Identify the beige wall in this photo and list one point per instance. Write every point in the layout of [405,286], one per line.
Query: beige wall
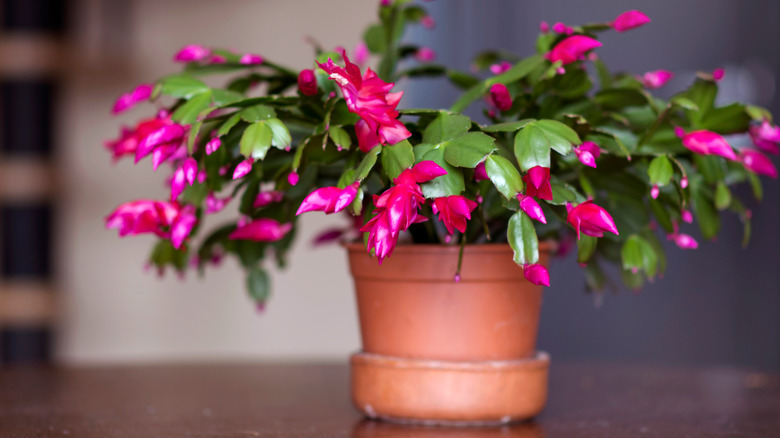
[114,311]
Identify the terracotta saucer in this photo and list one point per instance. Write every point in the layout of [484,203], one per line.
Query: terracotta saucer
[449,392]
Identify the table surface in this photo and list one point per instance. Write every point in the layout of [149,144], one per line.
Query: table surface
[295,400]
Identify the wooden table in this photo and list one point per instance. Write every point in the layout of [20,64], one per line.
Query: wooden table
[246,400]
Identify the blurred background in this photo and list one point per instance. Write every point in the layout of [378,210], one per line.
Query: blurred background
[72,292]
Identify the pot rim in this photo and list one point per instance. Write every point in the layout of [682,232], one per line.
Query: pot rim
[405,248]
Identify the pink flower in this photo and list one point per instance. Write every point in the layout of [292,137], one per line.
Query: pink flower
[708,143]
[425,54]
[559,28]
[214,204]
[261,230]
[397,208]
[293,178]
[243,168]
[718,74]
[531,208]
[251,59]
[182,226]
[629,20]
[480,173]
[656,79]
[213,145]
[537,274]
[192,52]
[758,163]
[428,22]
[162,138]
[765,136]
[307,83]
[267,198]
[129,100]
[500,67]
[587,153]
[572,49]
[369,97]
[499,97]
[165,219]
[544,27]
[329,199]
[590,219]
[454,211]
[537,183]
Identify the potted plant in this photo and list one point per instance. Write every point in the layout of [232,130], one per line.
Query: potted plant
[454,216]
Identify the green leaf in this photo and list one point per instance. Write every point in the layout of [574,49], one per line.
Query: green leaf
[375,39]
[507,126]
[521,235]
[281,135]
[446,185]
[258,285]
[684,103]
[722,196]
[461,80]
[534,141]
[165,254]
[397,158]
[755,185]
[504,175]
[256,140]
[365,166]
[617,98]
[657,248]
[223,97]
[662,215]
[563,193]
[731,119]
[229,124]
[182,86]
[446,127]
[192,136]
[702,93]
[706,215]
[633,253]
[257,113]
[605,78]
[469,149]
[188,112]
[340,137]
[660,170]
[586,246]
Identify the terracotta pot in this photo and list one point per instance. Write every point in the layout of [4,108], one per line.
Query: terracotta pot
[436,350]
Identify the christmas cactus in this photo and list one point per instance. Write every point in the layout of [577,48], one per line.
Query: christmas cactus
[557,148]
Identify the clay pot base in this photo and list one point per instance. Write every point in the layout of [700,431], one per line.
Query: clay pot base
[449,392]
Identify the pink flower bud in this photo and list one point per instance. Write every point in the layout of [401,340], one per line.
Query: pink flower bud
[708,143]
[292,178]
[500,98]
[718,74]
[251,59]
[572,49]
[758,163]
[217,59]
[428,22]
[687,217]
[267,198]
[457,278]
[656,79]
[307,82]
[654,191]
[501,67]
[537,274]
[765,136]
[587,153]
[590,219]
[537,183]
[213,145]
[425,54]
[544,27]
[480,173]
[329,199]
[243,168]
[559,27]
[129,100]
[424,171]
[192,52]
[214,204]
[685,241]
[532,208]
[684,182]
[630,20]
[361,53]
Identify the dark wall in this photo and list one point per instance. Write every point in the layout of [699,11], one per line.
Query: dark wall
[719,304]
